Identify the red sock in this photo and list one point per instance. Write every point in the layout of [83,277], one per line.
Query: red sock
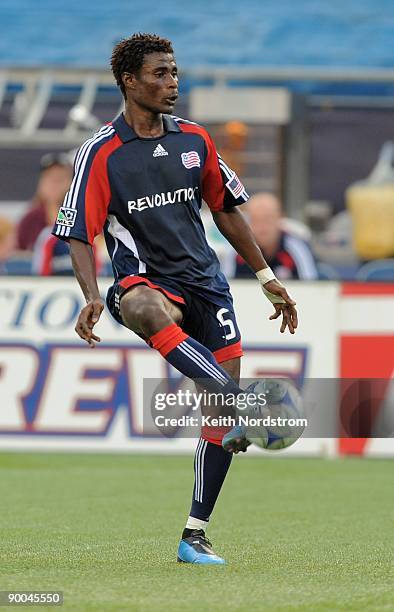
[167,339]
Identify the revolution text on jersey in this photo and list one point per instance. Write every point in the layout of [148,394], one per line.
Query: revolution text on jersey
[146,194]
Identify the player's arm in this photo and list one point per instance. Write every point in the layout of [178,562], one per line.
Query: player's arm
[82,258]
[82,218]
[223,192]
[234,227]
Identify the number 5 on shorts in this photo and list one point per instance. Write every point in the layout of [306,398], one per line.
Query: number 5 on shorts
[226,323]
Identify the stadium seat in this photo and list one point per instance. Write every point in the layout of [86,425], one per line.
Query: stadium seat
[379,270]
[17,266]
[327,272]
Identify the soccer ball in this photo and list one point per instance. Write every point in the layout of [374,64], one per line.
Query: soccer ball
[273,421]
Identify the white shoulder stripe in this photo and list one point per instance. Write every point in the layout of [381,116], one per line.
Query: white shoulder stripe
[86,147]
[101,131]
[74,190]
[229,173]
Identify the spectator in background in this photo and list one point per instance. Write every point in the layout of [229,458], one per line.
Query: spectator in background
[289,255]
[51,256]
[7,241]
[54,181]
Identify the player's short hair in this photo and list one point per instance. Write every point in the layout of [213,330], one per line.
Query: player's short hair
[128,55]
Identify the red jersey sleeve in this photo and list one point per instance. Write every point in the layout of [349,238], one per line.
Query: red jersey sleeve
[221,187]
[84,210]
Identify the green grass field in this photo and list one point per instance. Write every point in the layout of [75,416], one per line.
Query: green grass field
[298,534]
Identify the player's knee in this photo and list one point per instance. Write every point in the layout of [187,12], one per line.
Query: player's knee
[152,318]
[144,315]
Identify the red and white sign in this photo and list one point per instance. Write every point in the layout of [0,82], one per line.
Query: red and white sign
[367,352]
[58,394]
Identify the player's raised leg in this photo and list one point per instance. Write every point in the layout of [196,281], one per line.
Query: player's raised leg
[151,314]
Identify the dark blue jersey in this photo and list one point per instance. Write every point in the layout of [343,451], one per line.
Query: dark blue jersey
[146,194]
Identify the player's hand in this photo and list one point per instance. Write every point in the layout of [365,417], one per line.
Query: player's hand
[87,319]
[284,305]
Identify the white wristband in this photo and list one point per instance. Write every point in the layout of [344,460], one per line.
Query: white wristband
[265,275]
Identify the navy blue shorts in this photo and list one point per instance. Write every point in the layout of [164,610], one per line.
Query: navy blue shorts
[213,324]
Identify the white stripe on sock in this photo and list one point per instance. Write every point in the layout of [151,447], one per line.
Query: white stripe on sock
[202,363]
[201,366]
[208,363]
[197,466]
[202,470]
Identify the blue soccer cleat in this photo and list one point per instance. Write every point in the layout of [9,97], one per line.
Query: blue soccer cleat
[235,440]
[198,549]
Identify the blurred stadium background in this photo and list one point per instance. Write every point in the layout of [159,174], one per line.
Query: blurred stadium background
[300,102]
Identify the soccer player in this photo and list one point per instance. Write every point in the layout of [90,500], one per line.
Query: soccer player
[142,179]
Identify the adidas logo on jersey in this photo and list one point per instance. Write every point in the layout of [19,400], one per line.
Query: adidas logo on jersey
[159,151]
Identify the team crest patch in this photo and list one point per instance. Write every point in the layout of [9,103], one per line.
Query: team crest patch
[66,216]
[191,160]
